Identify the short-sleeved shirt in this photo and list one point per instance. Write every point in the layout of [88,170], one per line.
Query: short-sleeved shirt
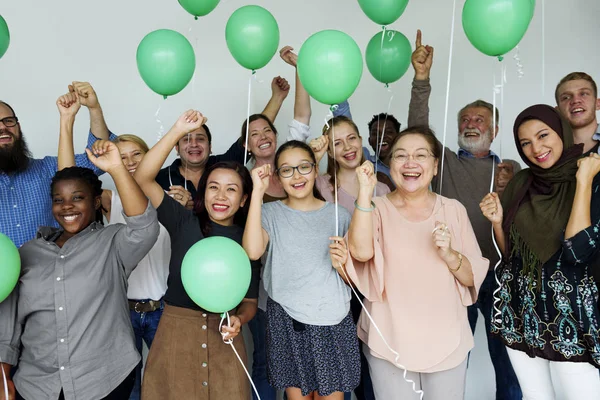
[184,229]
[298,272]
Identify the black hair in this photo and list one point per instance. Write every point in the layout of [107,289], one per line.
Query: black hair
[384,117]
[241,215]
[296,144]
[426,133]
[251,119]
[85,175]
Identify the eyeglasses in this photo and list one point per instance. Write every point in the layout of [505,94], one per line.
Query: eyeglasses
[419,157]
[288,172]
[9,122]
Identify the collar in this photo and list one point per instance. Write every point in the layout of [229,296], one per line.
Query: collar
[464,153]
[597,134]
[50,234]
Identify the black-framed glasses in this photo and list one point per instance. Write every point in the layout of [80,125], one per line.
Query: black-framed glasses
[9,122]
[303,169]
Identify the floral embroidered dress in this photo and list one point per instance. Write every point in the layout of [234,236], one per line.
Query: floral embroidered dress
[556,319]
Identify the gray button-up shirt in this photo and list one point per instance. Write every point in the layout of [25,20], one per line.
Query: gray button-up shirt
[72,317]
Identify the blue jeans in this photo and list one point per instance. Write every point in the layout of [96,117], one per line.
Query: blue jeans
[144,328]
[507,385]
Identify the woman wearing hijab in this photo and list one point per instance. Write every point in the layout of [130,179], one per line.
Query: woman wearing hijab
[547,227]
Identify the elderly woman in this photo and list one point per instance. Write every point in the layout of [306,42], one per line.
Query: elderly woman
[415,258]
[547,226]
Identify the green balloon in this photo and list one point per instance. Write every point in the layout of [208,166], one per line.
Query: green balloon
[10,267]
[495,27]
[216,273]
[389,60]
[166,61]
[4,36]
[330,66]
[252,36]
[383,12]
[199,8]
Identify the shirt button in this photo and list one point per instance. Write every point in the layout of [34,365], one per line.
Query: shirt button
[62,340]
[60,308]
[204,327]
[15,206]
[204,383]
[204,365]
[203,345]
[58,279]
[204,315]
[62,256]
[62,368]
[18,225]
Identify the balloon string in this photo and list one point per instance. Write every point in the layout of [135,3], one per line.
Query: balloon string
[248,116]
[380,142]
[447,94]
[517,58]
[335,183]
[543,48]
[396,354]
[161,128]
[230,342]
[4,380]
[498,90]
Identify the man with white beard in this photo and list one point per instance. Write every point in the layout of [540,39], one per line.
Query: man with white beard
[467,177]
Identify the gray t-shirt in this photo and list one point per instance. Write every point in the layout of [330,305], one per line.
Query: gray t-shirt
[298,272]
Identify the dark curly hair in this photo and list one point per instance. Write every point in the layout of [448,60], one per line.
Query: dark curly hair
[85,175]
[384,117]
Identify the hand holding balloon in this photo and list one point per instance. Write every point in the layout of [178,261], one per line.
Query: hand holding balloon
[230,332]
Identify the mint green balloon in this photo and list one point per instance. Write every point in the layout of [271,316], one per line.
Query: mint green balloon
[252,36]
[216,274]
[199,8]
[495,27]
[4,36]
[388,61]
[330,66]
[383,12]
[10,267]
[166,61]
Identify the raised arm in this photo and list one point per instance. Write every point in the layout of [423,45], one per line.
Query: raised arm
[422,60]
[152,162]
[255,237]
[360,233]
[580,217]
[68,106]
[280,88]
[88,98]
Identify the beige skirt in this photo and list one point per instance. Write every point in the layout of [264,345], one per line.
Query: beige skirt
[188,360]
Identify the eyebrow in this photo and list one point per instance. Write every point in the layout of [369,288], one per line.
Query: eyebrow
[403,149]
[228,184]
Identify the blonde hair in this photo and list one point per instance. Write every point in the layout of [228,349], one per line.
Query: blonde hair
[133,139]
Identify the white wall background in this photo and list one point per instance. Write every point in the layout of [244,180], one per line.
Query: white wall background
[56,42]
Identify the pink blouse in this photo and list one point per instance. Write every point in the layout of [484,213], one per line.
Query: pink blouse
[345,199]
[417,303]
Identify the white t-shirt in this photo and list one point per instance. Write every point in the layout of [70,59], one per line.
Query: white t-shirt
[149,279]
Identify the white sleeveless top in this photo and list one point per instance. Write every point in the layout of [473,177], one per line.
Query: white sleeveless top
[149,279]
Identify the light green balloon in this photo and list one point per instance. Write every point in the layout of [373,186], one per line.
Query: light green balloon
[495,27]
[199,8]
[330,66]
[4,36]
[383,12]
[216,274]
[389,60]
[10,266]
[252,36]
[166,61]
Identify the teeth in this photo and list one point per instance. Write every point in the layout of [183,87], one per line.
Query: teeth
[132,170]
[70,218]
[5,137]
[298,185]
[221,208]
[578,110]
[543,155]
[264,146]
[412,174]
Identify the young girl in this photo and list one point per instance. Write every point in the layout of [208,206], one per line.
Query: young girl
[72,334]
[312,347]
[547,228]
[188,358]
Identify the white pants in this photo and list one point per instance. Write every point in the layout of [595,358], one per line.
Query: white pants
[389,383]
[539,378]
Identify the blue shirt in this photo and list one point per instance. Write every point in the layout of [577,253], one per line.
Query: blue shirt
[464,153]
[25,202]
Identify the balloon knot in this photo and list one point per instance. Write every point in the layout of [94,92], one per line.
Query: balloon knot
[196,18]
[500,58]
[333,107]
[383,27]
[164,97]
[253,72]
[387,85]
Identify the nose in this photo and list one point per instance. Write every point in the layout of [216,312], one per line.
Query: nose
[296,173]
[536,147]
[221,194]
